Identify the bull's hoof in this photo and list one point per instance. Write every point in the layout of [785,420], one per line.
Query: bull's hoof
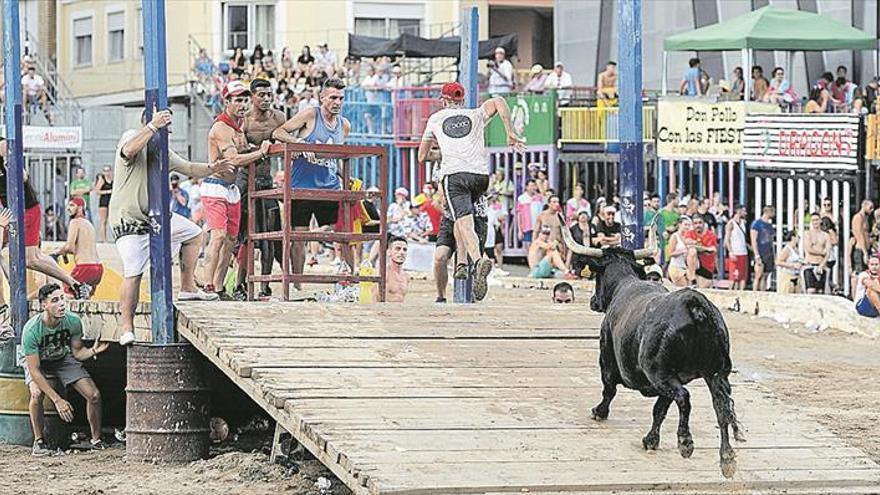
[728,468]
[651,442]
[686,446]
[738,436]
[600,413]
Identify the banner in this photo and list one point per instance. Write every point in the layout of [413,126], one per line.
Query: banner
[51,138]
[533,118]
[693,129]
[802,141]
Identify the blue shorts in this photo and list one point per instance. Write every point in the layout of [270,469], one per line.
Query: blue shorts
[527,236]
[865,308]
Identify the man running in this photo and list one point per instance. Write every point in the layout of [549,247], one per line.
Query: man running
[129,218]
[80,243]
[258,125]
[221,197]
[33,218]
[446,245]
[465,167]
[315,125]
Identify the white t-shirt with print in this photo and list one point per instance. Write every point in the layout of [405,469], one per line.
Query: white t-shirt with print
[459,132]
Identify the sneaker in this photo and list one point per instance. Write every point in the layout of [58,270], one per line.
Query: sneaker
[481,272]
[198,295]
[98,444]
[440,300]
[461,272]
[40,449]
[126,338]
[266,293]
[82,291]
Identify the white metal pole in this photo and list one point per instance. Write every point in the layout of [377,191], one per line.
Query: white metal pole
[664,83]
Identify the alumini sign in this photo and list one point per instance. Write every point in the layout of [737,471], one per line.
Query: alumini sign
[52,138]
[802,141]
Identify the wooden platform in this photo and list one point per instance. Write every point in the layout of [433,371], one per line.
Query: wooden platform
[492,399]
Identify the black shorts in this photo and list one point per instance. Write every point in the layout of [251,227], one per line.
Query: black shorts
[446,236]
[859,263]
[462,191]
[705,273]
[769,262]
[326,212]
[814,278]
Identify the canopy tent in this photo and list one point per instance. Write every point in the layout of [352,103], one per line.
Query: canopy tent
[415,46]
[770,28]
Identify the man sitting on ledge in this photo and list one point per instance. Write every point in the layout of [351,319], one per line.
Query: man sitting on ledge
[868,289]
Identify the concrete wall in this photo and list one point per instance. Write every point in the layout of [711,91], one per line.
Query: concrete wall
[535,34]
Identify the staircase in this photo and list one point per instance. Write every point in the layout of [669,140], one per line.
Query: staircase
[63,107]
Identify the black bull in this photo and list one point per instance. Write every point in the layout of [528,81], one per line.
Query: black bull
[656,341]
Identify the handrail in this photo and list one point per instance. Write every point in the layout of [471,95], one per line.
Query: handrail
[587,125]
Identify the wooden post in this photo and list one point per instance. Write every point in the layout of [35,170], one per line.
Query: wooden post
[156,99]
[632,169]
[463,290]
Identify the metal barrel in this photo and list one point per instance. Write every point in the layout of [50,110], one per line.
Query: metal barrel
[167,404]
[15,421]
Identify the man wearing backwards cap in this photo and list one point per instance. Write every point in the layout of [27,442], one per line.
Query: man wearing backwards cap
[464,168]
[258,125]
[80,243]
[221,198]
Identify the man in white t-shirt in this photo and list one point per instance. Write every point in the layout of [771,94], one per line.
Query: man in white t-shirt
[464,167]
[561,81]
[34,88]
[500,74]
[868,289]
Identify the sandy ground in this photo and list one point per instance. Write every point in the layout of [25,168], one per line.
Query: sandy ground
[830,376]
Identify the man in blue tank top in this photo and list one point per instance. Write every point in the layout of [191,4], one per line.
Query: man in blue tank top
[315,125]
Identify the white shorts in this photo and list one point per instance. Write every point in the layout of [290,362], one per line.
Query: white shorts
[134,250]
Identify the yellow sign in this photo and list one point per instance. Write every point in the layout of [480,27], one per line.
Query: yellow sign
[689,129]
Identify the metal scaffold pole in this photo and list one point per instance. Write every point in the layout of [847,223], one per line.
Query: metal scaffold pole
[632,170]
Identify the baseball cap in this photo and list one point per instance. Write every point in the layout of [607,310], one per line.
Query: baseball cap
[78,202]
[500,49]
[453,91]
[234,88]
[419,200]
[401,190]
[537,69]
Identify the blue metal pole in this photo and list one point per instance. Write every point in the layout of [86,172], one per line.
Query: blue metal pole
[701,171]
[742,183]
[632,170]
[156,98]
[15,167]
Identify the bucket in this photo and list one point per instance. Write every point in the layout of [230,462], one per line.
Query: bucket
[15,421]
[167,404]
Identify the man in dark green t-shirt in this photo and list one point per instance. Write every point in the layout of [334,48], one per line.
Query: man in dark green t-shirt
[52,347]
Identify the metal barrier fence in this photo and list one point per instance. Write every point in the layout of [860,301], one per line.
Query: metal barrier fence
[412,108]
[371,113]
[587,125]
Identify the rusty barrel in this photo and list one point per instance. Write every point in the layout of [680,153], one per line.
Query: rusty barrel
[167,404]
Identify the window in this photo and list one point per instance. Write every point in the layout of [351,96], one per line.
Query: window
[139,34]
[82,41]
[246,25]
[386,27]
[115,36]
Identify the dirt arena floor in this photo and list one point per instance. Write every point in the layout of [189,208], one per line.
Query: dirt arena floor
[830,376]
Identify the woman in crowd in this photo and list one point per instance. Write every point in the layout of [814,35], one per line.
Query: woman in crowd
[286,68]
[788,265]
[238,61]
[580,231]
[103,188]
[814,104]
[576,204]
[269,65]
[679,250]
[737,84]
[256,56]
[305,60]
[780,91]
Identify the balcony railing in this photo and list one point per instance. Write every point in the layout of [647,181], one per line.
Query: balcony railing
[584,125]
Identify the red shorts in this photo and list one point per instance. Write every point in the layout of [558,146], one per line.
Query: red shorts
[33,224]
[88,274]
[222,215]
[738,268]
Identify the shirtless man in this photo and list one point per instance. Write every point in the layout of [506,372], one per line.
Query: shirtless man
[80,243]
[550,218]
[544,256]
[860,230]
[396,280]
[817,247]
[315,125]
[258,126]
[221,198]
[607,81]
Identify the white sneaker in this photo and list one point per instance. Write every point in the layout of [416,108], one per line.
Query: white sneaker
[198,295]
[500,272]
[126,338]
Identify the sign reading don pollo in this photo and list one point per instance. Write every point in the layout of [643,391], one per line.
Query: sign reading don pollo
[694,129]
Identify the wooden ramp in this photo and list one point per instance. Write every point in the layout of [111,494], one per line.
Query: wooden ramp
[488,398]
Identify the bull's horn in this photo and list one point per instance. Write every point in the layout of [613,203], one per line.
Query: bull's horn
[644,253]
[574,246]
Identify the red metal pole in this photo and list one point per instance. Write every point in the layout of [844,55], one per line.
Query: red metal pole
[249,248]
[383,240]
[285,228]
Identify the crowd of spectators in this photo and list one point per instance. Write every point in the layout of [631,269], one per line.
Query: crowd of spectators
[831,93]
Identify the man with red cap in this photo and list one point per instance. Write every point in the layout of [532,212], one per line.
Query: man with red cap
[221,198]
[80,243]
[464,168]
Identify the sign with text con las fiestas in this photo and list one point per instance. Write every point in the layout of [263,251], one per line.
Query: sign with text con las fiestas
[693,129]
